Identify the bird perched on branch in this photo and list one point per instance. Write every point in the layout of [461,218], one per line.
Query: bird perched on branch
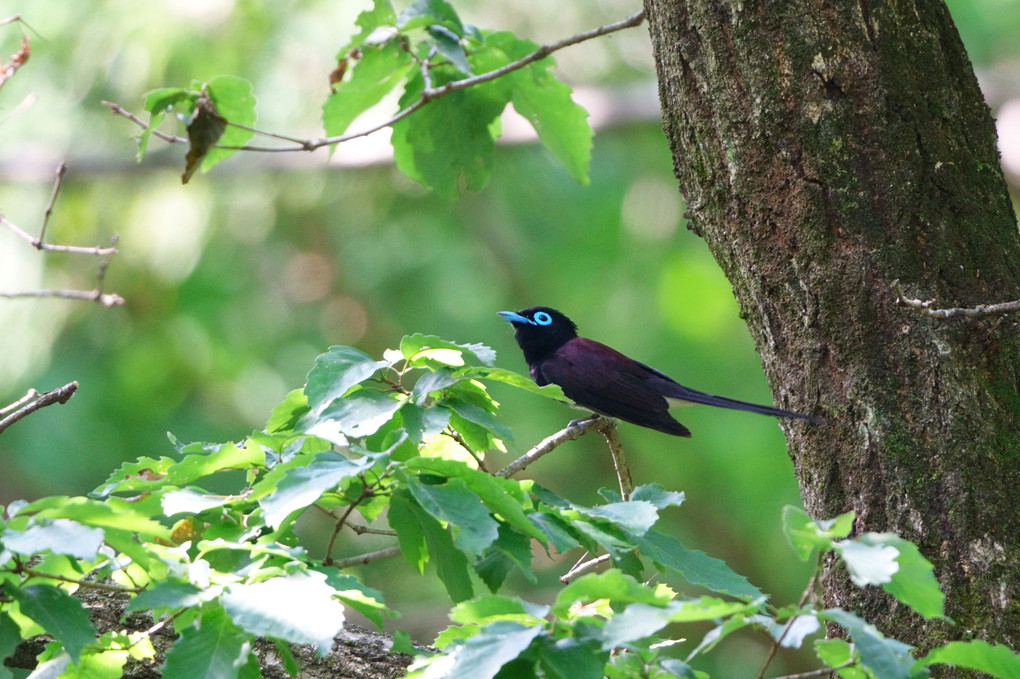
[605,381]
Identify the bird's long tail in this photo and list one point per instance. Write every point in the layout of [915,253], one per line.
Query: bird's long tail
[686,396]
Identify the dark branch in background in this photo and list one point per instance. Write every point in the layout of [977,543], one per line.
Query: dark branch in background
[33,401]
[96,294]
[428,94]
[925,308]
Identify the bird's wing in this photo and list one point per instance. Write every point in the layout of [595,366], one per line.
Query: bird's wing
[604,380]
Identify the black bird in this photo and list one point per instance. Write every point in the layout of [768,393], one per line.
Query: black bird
[605,381]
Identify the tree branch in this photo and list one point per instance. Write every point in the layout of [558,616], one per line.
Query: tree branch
[574,430]
[428,94]
[58,395]
[366,558]
[925,308]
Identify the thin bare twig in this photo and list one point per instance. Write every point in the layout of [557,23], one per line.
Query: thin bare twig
[30,395]
[925,308]
[61,169]
[366,558]
[455,435]
[582,568]
[428,94]
[58,395]
[789,623]
[818,673]
[107,299]
[619,458]
[362,530]
[76,249]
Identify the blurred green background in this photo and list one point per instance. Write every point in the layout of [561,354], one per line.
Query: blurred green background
[237,281]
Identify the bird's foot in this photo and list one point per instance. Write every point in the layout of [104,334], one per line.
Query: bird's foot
[584,422]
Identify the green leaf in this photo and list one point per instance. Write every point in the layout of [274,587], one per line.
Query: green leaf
[10,637]
[886,658]
[450,562]
[473,528]
[914,582]
[110,514]
[374,75]
[298,487]
[868,564]
[635,517]
[450,138]
[352,592]
[639,620]
[448,44]
[335,372]
[511,548]
[477,415]
[418,345]
[570,659]
[361,414]
[431,382]
[998,661]
[60,536]
[212,647]
[423,424]
[426,12]
[502,496]
[833,652]
[612,585]
[268,609]
[403,520]
[489,608]
[287,412]
[57,612]
[168,594]
[805,534]
[657,495]
[555,529]
[697,567]
[504,376]
[381,14]
[482,656]
[157,103]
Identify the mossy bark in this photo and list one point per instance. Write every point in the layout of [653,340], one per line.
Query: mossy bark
[825,149]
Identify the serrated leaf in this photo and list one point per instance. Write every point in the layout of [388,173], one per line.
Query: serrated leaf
[60,536]
[886,658]
[484,654]
[449,139]
[412,523]
[110,514]
[57,612]
[358,415]
[805,534]
[697,567]
[404,522]
[335,372]
[370,20]
[504,376]
[633,517]
[352,592]
[212,647]
[300,486]
[423,424]
[489,608]
[996,660]
[433,381]
[374,75]
[411,346]
[268,609]
[914,582]
[469,521]
[502,496]
[555,529]
[657,495]
[511,548]
[191,501]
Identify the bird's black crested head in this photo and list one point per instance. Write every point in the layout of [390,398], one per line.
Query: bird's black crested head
[540,331]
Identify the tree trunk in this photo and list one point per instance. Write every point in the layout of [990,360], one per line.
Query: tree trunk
[826,149]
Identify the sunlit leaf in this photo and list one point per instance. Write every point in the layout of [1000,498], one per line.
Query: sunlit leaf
[805,534]
[335,372]
[373,76]
[268,609]
[484,654]
[995,660]
[300,486]
[61,536]
[473,527]
[697,567]
[887,658]
[914,581]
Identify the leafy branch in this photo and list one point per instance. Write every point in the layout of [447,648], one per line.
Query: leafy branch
[458,76]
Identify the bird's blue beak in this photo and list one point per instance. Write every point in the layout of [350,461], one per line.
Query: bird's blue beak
[515,317]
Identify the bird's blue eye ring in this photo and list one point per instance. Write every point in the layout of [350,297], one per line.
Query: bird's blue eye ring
[542,318]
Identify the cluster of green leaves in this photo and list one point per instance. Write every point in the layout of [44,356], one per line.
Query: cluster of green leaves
[400,441]
[441,63]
